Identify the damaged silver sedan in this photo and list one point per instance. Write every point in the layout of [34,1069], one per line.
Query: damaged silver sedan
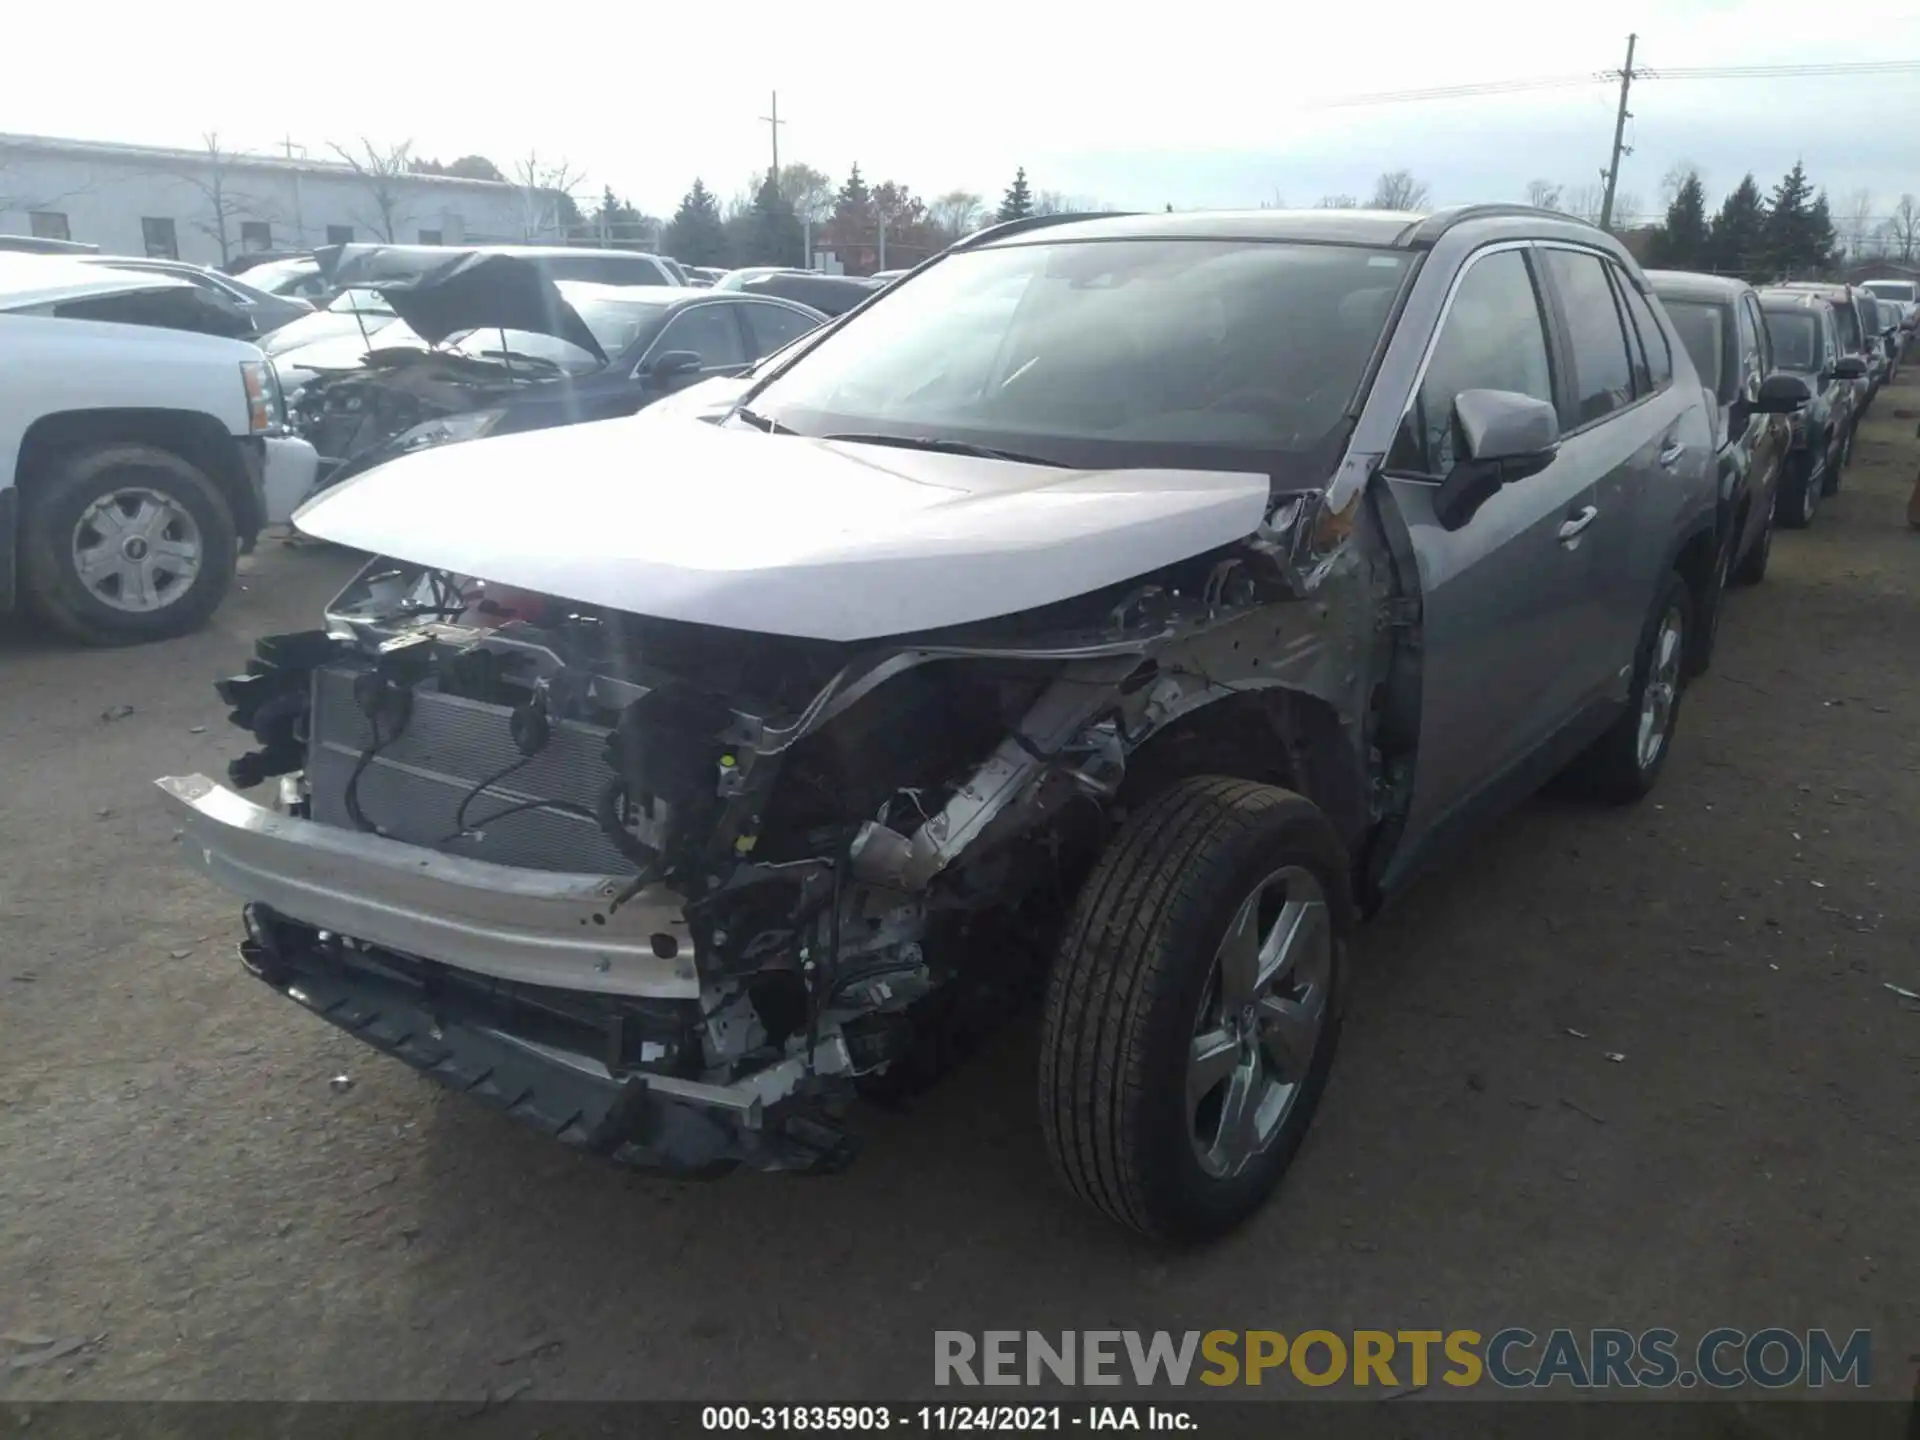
[1112,612]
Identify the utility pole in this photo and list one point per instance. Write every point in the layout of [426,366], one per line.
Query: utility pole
[1619,137]
[773,122]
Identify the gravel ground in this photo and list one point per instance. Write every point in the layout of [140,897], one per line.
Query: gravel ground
[182,1185]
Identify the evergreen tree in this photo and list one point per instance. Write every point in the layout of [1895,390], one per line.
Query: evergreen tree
[1792,247]
[1681,244]
[1737,241]
[696,235]
[1017,203]
[853,223]
[1824,240]
[773,230]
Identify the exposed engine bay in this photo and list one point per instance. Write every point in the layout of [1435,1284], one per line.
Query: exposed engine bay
[840,860]
[353,417]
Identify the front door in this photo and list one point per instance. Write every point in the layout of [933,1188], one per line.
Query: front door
[1507,600]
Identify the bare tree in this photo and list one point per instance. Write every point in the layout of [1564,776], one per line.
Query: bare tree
[1543,193]
[225,204]
[1398,190]
[1626,210]
[1675,180]
[1856,223]
[1904,228]
[548,204]
[1339,202]
[1586,202]
[383,175]
[811,194]
[957,212]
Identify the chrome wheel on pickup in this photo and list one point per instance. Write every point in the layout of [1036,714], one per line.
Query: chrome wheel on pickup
[124,542]
[137,550]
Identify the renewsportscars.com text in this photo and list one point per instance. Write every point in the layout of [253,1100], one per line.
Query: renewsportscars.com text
[1511,1358]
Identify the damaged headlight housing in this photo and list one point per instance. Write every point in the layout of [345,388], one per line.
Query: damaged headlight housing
[449,429]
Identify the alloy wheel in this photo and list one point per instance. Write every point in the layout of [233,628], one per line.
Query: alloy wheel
[137,550]
[1260,1020]
[1662,688]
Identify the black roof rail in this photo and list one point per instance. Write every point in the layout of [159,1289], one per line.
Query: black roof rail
[1031,222]
[1432,227]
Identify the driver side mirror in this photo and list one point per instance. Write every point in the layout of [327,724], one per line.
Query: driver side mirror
[1783,394]
[1503,436]
[1849,367]
[665,368]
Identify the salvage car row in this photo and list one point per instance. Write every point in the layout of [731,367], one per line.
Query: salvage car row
[165,413]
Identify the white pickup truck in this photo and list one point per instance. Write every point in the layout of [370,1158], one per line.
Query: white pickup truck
[141,450]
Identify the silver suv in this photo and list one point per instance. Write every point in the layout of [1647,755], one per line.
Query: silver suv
[1118,607]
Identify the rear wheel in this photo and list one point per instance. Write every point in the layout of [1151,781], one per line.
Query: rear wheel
[1624,764]
[1193,1010]
[126,543]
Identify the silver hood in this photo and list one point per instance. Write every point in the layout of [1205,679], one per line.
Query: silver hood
[779,534]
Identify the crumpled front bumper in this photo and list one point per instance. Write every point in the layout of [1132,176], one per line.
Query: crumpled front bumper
[532,926]
[502,933]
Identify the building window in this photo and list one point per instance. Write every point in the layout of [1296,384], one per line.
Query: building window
[49,224]
[430,237]
[158,233]
[256,235]
[339,234]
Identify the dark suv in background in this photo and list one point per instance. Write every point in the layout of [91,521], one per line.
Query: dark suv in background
[1721,325]
[1804,329]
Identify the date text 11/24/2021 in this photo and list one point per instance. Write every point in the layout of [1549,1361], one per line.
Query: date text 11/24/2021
[942,1419]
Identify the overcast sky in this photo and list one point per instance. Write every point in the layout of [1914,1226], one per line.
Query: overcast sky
[1204,103]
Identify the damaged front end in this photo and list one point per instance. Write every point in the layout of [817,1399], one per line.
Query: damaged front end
[675,893]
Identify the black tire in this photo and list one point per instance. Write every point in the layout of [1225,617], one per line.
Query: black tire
[1799,498]
[1752,568]
[1611,769]
[1135,967]
[54,504]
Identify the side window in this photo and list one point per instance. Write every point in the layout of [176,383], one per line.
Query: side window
[1602,375]
[1636,348]
[707,330]
[1749,342]
[1653,339]
[771,326]
[1764,335]
[1492,339]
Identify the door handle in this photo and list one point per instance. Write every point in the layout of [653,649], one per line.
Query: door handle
[1577,522]
[1670,456]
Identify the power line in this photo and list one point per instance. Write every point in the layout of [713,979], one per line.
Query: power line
[1607,77]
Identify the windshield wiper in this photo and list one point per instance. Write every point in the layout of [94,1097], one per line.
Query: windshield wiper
[761,422]
[947,447]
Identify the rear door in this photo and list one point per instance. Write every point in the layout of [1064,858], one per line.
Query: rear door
[1622,429]
[1505,598]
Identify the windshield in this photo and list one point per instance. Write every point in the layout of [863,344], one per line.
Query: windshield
[365,302]
[1897,290]
[524,349]
[1703,330]
[1103,353]
[1848,323]
[1796,340]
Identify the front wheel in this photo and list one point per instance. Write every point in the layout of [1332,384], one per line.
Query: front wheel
[125,543]
[1800,492]
[1194,1007]
[1752,568]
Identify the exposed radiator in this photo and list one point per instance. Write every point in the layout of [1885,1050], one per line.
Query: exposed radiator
[413,787]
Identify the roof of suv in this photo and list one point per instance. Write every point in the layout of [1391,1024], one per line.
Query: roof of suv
[1774,298]
[1690,285]
[1396,229]
[1825,289]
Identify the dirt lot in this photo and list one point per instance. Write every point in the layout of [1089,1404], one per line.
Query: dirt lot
[181,1183]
